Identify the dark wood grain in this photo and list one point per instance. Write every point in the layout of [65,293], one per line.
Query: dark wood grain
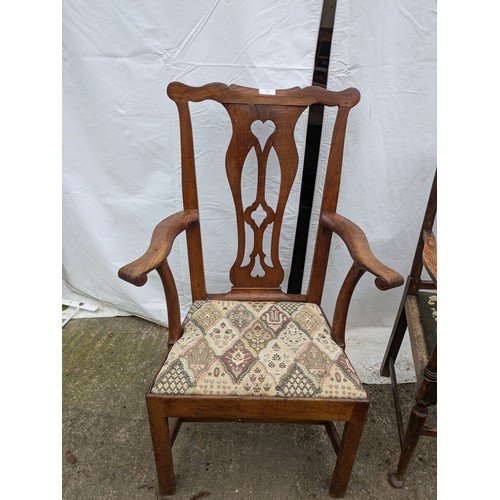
[414,281]
[425,363]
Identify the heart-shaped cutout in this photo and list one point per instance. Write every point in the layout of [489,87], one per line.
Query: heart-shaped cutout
[258,270]
[262,130]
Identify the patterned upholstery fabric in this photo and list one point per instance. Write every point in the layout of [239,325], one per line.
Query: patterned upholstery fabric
[257,349]
[427,307]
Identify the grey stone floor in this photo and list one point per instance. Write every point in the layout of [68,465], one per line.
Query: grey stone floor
[108,364]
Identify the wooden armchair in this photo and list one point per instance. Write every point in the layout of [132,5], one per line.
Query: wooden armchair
[418,314]
[256,353]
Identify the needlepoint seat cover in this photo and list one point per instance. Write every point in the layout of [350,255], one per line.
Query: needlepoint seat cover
[427,306]
[236,348]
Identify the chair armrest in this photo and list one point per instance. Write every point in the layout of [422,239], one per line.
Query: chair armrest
[360,251]
[429,254]
[162,239]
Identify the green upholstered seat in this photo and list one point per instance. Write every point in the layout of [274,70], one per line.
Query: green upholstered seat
[427,306]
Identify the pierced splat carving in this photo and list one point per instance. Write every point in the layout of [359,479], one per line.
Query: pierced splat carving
[259,215]
[261,129]
[257,270]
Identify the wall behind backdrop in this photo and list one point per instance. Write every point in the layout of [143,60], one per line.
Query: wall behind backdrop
[121,151]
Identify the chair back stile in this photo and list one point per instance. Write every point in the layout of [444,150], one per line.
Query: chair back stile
[190,201]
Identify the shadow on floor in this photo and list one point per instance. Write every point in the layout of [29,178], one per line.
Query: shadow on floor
[108,365]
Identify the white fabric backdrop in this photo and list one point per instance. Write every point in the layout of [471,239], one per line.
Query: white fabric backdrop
[121,157]
[386,49]
[121,141]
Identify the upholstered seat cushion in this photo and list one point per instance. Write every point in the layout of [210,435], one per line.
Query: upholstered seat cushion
[257,349]
[427,307]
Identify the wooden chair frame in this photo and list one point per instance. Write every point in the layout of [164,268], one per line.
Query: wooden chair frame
[244,106]
[425,363]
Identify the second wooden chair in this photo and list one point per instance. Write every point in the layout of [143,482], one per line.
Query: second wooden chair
[418,314]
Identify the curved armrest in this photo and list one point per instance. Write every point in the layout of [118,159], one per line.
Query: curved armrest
[359,248]
[163,236]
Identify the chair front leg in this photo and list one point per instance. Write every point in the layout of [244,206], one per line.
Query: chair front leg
[162,447]
[416,423]
[348,449]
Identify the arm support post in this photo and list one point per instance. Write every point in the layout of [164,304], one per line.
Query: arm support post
[363,260]
[155,257]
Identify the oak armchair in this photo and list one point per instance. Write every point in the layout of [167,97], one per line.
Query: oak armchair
[256,353]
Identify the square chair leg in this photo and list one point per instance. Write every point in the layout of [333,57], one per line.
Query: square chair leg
[348,449]
[162,448]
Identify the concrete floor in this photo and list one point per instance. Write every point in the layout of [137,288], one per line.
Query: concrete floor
[108,364]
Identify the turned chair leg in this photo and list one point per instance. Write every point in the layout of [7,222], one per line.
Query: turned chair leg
[162,450]
[426,395]
[416,423]
[348,449]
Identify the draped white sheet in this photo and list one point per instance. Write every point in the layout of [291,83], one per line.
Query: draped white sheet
[121,156]
[121,153]
[386,49]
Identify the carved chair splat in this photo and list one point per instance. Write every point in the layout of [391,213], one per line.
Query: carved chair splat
[256,313]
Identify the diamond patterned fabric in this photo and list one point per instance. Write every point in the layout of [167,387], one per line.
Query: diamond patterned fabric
[279,349]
